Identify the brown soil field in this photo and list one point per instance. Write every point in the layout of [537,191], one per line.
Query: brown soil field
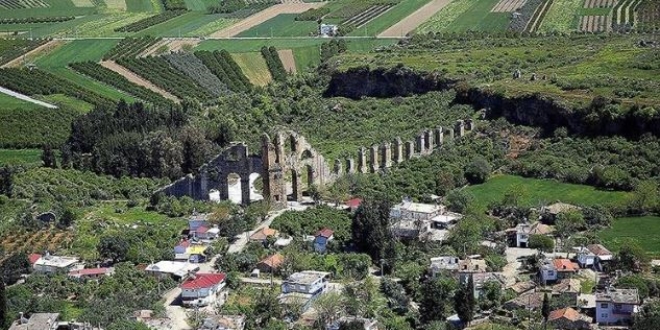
[134,78]
[286,55]
[414,20]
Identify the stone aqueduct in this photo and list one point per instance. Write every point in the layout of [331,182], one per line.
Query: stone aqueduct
[290,154]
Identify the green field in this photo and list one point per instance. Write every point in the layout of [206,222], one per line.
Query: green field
[643,230]
[254,67]
[10,102]
[254,45]
[20,156]
[536,192]
[562,16]
[67,101]
[307,57]
[389,18]
[464,15]
[56,8]
[135,6]
[181,25]
[282,25]
[200,5]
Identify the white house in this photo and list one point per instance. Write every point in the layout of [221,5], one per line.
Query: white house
[445,220]
[616,306]
[202,289]
[444,263]
[408,210]
[175,269]
[53,264]
[557,269]
[308,282]
[525,230]
[585,258]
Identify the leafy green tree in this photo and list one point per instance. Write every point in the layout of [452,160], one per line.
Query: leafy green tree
[569,223]
[67,218]
[398,301]
[648,318]
[13,267]
[48,156]
[464,301]
[542,243]
[492,295]
[459,200]
[127,325]
[632,257]
[113,247]
[267,308]
[645,197]
[329,307]
[436,295]
[371,231]
[477,171]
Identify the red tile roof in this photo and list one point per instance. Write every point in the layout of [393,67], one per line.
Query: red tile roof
[325,232]
[89,271]
[184,243]
[565,265]
[273,261]
[201,230]
[202,280]
[34,257]
[568,313]
[354,203]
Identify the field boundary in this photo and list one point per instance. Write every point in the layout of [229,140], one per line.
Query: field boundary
[288,60]
[412,21]
[47,47]
[136,79]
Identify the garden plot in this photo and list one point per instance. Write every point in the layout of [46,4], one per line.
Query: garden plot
[600,3]
[508,6]
[414,20]
[561,17]
[264,15]
[595,23]
[22,4]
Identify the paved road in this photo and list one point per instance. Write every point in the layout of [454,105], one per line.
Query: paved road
[26,98]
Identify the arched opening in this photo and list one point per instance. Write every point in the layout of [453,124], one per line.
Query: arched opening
[256,187]
[234,185]
[292,189]
[292,144]
[310,175]
[306,155]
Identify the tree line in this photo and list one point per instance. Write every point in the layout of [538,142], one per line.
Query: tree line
[274,63]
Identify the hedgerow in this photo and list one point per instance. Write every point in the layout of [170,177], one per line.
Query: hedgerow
[274,63]
[130,47]
[150,21]
[223,66]
[174,4]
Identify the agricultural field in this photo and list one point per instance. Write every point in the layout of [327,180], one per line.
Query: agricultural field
[388,18]
[42,8]
[254,67]
[20,157]
[643,230]
[562,16]
[11,49]
[536,192]
[465,15]
[37,241]
[282,25]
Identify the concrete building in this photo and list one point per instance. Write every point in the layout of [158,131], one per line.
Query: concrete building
[408,210]
[445,220]
[557,269]
[202,289]
[308,282]
[174,269]
[524,230]
[616,306]
[49,264]
[91,273]
[443,264]
[40,321]
[224,322]
[471,266]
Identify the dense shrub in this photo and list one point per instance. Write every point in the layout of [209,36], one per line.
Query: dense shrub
[174,4]
[35,127]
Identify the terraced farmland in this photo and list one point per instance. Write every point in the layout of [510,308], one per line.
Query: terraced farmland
[595,23]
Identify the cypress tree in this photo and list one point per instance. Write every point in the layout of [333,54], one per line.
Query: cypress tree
[545,309]
[464,301]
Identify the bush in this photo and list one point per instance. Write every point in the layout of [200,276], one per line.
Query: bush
[477,171]
[542,243]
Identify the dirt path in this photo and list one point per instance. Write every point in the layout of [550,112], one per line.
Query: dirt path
[414,20]
[264,15]
[132,77]
[286,55]
[31,55]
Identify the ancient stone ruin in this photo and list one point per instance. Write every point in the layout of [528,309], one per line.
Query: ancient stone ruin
[289,157]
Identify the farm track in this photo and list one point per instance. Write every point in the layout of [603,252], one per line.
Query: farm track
[289,62]
[134,78]
[507,6]
[412,21]
[45,48]
[264,15]
[154,48]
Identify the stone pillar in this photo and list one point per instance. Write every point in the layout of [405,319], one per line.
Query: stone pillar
[245,190]
[338,167]
[420,144]
[428,136]
[373,159]
[350,165]
[410,150]
[362,160]
[460,128]
[439,135]
[469,125]
[398,151]
[387,155]
[295,184]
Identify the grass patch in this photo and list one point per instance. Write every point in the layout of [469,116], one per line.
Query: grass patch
[282,25]
[215,23]
[644,230]
[562,16]
[136,6]
[56,8]
[67,101]
[390,17]
[200,5]
[537,192]
[254,67]
[20,156]
[179,26]
[307,57]
[10,102]
[76,51]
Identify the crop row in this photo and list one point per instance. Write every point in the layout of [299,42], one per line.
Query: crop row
[274,63]
[368,15]
[522,18]
[107,76]
[28,20]
[356,8]
[11,49]
[648,15]
[130,47]
[313,14]
[174,5]
[150,21]
[35,81]
[158,71]
[20,4]
[195,69]
[539,14]
[223,66]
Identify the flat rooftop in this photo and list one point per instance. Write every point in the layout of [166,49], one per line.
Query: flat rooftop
[418,207]
[306,277]
[172,267]
[619,296]
[55,261]
[446,218]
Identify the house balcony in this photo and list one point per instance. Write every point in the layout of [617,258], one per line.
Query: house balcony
[622,312]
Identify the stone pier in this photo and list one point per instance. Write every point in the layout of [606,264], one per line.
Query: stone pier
[362,160]
[373,159]
[428,136]
[460,128]
[398,151]
[350,165]
[439,135]
[410,150]
[420,144]
[387,155]
[450,133]
[469,125]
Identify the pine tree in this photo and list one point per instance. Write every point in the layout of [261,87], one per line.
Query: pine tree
[464,301]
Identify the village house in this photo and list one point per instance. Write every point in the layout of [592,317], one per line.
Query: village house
[91,273]
[413,220]
[175,269]
[311,282]
[41,321]
[196,220]
[204,232]
[467,268]
[263,234]
[443,264]
[593,256]
[616,306]
[190,251]
[569,319]
[568,290]
[202,289]
[557,269]
[480,280]
[49,264]
[528,300]
[522,287]
[322,238]
[523,231]
[223,322]
[446,220]
[270,264]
